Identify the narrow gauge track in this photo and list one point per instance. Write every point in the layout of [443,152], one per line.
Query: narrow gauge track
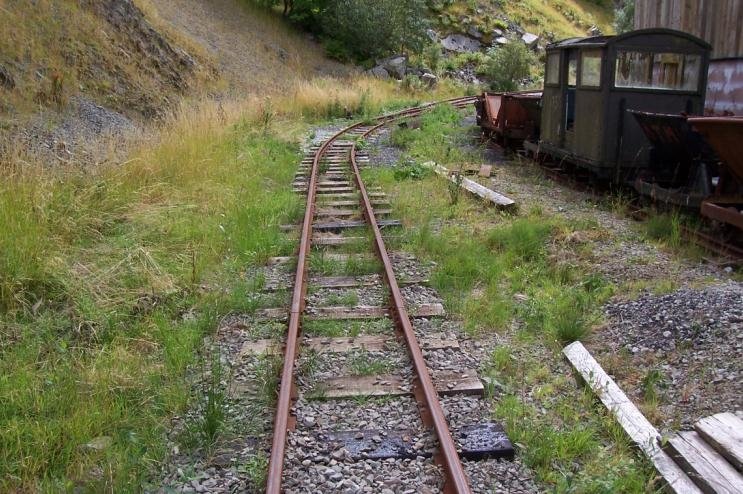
[337,158]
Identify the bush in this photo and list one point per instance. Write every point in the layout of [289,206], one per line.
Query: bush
[507,65]
[374,29]
[624,16]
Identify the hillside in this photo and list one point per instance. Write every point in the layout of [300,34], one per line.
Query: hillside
[76,72]
[548,19]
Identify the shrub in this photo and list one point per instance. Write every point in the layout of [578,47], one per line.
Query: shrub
[624,16]
[373,29]
[507,65]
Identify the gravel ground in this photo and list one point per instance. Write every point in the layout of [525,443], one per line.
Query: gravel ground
[691,338]
[84,133]
[366,295]
[381,153]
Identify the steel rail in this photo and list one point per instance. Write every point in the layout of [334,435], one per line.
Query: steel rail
[456,478]
[283,406]
[283,422]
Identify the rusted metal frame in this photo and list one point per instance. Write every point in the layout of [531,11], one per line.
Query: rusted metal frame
[282,423]
[456,479]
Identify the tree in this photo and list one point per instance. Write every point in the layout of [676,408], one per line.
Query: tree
[624,16]
[373,28]
[507,65]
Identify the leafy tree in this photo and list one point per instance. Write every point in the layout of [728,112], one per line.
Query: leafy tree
[508,64]
[373,28]
[624,16]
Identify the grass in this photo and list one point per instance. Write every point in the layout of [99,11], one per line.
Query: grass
[98,270]
[111,277]
[519,275]
[334,329]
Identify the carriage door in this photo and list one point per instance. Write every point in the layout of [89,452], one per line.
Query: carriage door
[569,120]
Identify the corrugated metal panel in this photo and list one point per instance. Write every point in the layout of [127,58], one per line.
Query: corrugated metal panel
[720,22]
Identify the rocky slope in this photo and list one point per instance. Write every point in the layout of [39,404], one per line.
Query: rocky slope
[73,73]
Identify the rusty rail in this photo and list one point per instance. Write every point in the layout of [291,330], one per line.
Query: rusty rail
[456,479]
[283,421]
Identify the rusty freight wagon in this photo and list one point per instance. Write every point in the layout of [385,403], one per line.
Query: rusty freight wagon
[509,118]
[591,84]
[725,135]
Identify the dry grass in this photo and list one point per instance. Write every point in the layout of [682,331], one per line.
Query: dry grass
[254,50]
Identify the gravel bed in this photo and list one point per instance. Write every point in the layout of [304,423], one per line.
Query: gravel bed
[465,410]
[381,152]
[407,266]
[450,359]
[499,477]
[693,338]
[419,294]
[326,365]
[397,413]
[332,297]
[418,476]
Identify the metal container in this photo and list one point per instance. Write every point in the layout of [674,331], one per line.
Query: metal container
[509,117]
[725,135]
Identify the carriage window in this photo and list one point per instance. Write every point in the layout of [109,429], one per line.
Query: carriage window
[553,68]
[657,70]
[572,68]
[590,68]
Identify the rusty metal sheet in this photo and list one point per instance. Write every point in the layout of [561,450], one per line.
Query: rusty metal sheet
[725,135]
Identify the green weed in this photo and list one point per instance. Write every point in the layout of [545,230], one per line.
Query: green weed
[364,363]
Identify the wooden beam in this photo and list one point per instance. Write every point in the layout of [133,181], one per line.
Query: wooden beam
[372,343]
[637,427]
[724,432]
[358,312]
[705,466]
[473,187]
[447,383]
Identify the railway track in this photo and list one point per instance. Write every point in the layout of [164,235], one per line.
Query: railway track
[344,221]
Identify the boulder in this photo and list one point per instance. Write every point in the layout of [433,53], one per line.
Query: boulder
[474,32]
[460,43]
[497,33]
[379,72]
[429,79]
[501,40]
[396,66]
[6,78]
[530,39]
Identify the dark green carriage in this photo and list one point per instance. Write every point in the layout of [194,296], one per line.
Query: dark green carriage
[591,83]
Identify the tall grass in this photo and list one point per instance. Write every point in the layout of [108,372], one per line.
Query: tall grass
[111,276]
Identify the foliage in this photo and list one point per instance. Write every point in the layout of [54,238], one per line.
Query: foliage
[411,171]
[624,16]
[374,29]
[432,56]
[508,64]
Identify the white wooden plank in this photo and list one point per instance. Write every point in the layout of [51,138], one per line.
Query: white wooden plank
[707,468]
[637,427]
[724,432]
[473,187]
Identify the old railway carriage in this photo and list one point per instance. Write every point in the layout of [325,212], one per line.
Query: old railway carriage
[591,83]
